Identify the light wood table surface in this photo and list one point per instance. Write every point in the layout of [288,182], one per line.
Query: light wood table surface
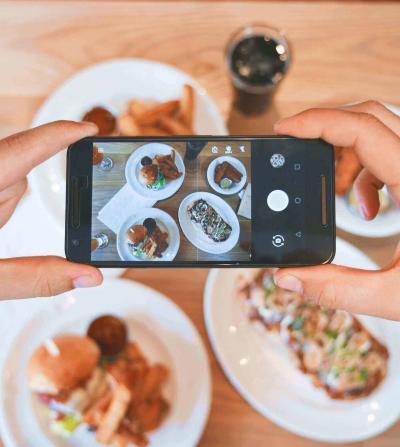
[343,52]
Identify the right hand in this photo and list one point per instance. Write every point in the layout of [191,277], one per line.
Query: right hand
[373,132]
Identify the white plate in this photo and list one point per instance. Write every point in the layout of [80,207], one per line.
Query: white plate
[235,163]
[112,84]
[164,221]
[163,331]
[259,366]
[384,225]
[194,233]
[133,166]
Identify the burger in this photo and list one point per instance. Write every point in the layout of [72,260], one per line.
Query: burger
[150,174]
[64,373]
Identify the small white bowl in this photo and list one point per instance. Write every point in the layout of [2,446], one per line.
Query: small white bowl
[236,187]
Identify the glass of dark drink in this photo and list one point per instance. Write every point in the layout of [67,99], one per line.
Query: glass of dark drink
[258,57]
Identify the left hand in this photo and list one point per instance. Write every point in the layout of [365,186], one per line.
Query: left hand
[19,153]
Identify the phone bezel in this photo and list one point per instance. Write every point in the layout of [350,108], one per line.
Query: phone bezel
[83,234]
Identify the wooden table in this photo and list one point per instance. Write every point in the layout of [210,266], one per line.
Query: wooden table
[342,52]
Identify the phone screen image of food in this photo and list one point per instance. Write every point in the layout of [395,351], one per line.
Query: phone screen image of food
[186,201]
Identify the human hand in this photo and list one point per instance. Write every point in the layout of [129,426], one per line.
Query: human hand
[374,134]
[19,153]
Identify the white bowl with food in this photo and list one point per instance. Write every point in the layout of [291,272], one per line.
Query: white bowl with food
[72,369]
[155,170]
[226,175]
[113,84]
[219,232]
[149,235]
[348,217]
[325,375]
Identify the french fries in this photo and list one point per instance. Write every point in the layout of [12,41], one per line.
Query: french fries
[186,108]
[173,117]
[152,115]
[132,404]
[173,126]
[128,125]
[112,418]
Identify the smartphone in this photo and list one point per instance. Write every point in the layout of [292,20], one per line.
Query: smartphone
[200,201]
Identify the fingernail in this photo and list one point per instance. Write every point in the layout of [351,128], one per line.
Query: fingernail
[93,125]
[363,211]
[85,281]
[291,283]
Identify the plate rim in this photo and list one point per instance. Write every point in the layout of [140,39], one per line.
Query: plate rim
[281,422]
[163,193]
[6,432]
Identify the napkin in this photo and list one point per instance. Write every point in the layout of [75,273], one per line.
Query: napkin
[124,204]
[245,204]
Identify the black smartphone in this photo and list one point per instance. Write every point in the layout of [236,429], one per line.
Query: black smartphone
[200,201]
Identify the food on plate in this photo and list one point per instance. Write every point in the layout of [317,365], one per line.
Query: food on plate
[104,120]
[187,106]
[332,347]
[152,177]
[157,172]
[109,333]
[225,175]
[151,115]
[97,156]
[147,239]
[167,166]
[147,118]
[211,223]
[119,398]
[346,169]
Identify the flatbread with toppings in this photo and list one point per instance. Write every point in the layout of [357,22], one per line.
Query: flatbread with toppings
[331,346]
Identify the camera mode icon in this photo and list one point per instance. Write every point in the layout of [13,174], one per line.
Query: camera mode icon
[278,240]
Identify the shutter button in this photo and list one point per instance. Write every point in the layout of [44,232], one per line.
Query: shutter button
[277,200]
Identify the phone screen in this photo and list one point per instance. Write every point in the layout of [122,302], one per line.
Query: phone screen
[212,201]
[186,201]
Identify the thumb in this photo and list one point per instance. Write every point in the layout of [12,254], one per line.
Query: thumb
[44,276]
[359,291]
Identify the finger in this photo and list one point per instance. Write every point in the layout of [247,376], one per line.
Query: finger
[377,147]
[360,291]
[44,276]
[9,199]
[388,118]
[366,187]
[21,152]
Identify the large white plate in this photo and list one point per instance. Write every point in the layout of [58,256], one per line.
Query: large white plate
[162,330]
[112,84]
[235,163]
[260,368]
[384,225]
[133,166]
[194,233]
[164,221]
